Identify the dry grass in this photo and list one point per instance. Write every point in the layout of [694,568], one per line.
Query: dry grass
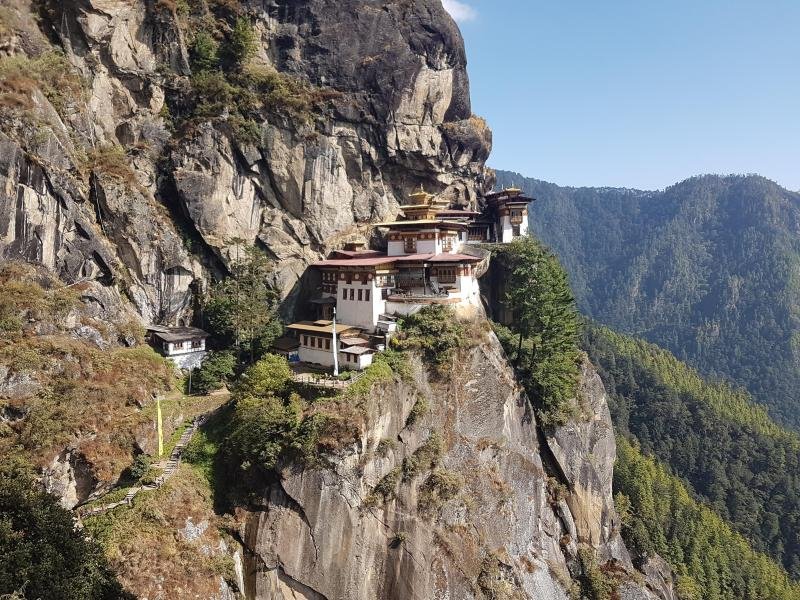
[80,395]
[51,73]
[147,550]
[113,162]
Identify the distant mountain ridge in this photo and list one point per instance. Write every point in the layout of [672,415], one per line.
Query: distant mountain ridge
[708,268]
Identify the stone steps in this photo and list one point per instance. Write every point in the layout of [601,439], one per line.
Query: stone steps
[170,467]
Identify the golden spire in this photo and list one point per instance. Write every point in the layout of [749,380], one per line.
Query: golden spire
[421,196]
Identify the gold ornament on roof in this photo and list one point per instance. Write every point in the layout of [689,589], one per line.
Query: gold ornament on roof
[421,196]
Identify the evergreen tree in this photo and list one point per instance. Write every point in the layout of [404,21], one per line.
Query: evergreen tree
[546,323]
[42,555]
[204,52]
[241,309]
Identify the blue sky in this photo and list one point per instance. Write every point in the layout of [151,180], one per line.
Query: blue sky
[637,93]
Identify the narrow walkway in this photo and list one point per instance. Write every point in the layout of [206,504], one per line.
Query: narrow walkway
[319,381]
[170,466]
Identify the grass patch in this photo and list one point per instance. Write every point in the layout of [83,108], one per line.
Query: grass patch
[50,72]
[172,534]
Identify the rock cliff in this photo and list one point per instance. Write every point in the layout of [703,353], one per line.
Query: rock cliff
[121,181]
[500,511]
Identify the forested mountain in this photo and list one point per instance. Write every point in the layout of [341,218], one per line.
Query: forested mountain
[708,268]
[723,447]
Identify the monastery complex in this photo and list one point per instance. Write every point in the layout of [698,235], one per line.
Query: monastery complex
[428,260]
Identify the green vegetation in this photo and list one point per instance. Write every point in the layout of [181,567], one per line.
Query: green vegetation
[744,466]
[271,423]
[50,72]
[439,487]
[43,556]
[543,342]
[424,458]
[216,371]
[229,86]
[597,582]
[707,269]
[240,311]
[204,52]
[417,411]
[435,332]
[712,561]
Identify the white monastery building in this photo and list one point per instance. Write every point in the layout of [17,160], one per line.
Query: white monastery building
[426,262]
[184,346]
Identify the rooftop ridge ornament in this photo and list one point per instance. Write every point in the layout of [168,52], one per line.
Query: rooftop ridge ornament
[421,196]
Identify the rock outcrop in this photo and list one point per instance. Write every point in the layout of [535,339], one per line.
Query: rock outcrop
[490,520]
[159,219]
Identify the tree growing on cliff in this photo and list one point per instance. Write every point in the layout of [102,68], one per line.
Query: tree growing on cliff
[240,310]
[546,323]
[43,556]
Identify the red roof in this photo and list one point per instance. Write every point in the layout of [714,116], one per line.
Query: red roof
[453,258]
[384,259]
[356,253]
[355,262]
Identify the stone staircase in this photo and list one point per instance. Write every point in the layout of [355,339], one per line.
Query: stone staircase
[170,466]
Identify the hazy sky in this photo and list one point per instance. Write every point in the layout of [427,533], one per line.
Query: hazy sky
[637,93]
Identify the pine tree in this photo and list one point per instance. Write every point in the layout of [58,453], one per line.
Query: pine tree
[547,325]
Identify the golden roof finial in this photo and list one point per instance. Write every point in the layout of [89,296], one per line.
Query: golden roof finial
[421,196]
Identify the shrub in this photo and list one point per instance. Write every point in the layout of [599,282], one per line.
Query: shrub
[111,161]
[398,539]
[440,486]
[386,488]
[217,369]
[425,457]
[271,375]
[595,583]
[204,52]
[434,331]
[141,465]
[417,411]
[264,427]
[212,94]
[242,42]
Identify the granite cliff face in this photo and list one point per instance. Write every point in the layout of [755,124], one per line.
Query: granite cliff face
[159,220]
[503,514]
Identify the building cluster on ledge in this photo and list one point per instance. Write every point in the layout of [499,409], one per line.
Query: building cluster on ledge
[427,261]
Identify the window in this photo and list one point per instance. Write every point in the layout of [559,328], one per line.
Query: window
[344,294]
[197,343]
[305,340]
[360,295]
[178,345]
[366,295]
[327,344]
[352,294]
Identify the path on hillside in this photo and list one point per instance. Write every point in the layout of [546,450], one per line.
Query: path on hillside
[170,466]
